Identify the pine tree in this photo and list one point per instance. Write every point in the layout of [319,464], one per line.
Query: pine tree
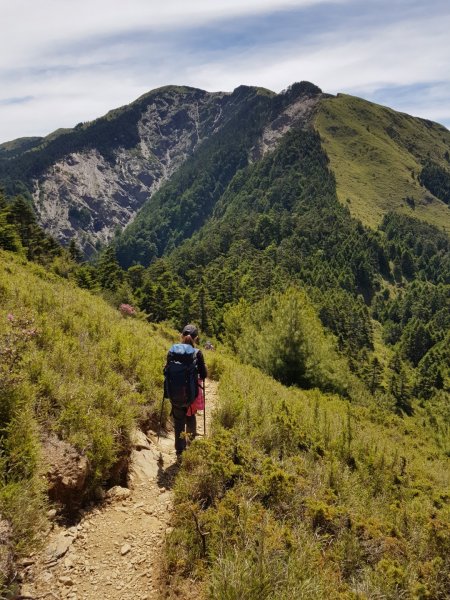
[110,274]
[416,341]
[135,275]
[9,237]
[374,375]
[398,385]
[186,309]
[74,251]
[203,313]
[407,264]
[22,215]
[159,311]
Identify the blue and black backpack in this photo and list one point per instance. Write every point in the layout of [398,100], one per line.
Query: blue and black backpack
[181,375]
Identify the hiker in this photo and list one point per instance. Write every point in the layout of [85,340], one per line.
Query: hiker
[185,373]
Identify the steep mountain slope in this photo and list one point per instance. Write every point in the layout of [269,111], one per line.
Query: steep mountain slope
[377,156]
[88,181]
[279,223]
[299,493]
[18,146]
[184,204]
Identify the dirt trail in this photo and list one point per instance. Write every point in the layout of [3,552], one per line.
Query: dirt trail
[114,551]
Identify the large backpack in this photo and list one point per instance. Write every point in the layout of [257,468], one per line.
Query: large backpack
[181,375]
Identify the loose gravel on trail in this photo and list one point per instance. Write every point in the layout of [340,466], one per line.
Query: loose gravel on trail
[114,551]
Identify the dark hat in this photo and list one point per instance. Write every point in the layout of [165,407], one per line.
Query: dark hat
[190,330]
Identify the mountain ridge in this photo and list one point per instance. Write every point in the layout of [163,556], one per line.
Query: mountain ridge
[90,182]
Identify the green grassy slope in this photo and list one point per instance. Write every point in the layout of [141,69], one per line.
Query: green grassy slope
[71,366]
[302,495]
[377,154]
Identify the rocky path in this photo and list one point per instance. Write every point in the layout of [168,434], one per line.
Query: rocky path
[114,551]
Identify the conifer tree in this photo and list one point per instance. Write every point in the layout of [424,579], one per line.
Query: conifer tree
[21,213]
[186,309]
[398,384]
[374,377]
[159,309]
[416,341]
[110,274]
[74,251]
[9,237]
[202,307]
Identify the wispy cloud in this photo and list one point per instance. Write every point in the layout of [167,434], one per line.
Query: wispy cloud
[17,100]
[72,62]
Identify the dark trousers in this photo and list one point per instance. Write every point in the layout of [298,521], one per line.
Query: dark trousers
[180,421]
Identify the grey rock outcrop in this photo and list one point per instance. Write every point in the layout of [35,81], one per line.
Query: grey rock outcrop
[298,113]
[90,182]
[66,472]
[88,196]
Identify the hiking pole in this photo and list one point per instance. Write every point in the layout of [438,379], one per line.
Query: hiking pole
[160,416]
[204,409]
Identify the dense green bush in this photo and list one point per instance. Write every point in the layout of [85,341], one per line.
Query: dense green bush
[282,335]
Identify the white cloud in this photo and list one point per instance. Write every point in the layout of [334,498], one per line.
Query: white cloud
[28,28]
[78,60]
[360,62]
[396,54]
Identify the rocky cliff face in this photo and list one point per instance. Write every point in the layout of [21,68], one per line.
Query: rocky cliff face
[87,196]
[298,113]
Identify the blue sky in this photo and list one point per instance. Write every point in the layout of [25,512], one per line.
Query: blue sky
[62,62]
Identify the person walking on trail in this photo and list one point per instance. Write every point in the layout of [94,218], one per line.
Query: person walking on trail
[185,373]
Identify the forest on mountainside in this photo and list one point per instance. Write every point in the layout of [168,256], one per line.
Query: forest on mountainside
[279,224]
[183,204]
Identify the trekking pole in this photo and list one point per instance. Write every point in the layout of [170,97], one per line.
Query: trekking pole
[204,409]
[160,416]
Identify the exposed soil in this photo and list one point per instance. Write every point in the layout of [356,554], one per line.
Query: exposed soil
[115,550]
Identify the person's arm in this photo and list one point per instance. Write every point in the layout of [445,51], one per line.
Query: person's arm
[202,372]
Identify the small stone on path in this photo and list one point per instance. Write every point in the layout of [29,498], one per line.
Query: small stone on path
[59,547]
[118,493]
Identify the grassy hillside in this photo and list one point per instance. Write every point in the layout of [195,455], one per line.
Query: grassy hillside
[307,496]
[71,367]
[377,155]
